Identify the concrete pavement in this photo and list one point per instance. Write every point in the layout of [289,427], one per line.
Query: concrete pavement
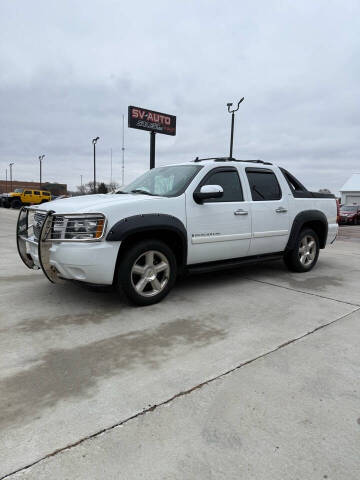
[292,414]
[74,363]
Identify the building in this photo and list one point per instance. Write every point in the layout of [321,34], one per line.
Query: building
[350,191]
[54,188]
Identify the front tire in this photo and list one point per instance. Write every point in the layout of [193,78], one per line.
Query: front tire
[303,257]
[147,272]
[16,203]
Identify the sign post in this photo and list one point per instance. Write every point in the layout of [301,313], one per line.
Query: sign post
[152,150]
[153,122]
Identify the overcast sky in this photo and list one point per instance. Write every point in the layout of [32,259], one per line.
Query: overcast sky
[69,69]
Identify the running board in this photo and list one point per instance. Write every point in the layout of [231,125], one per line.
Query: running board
[233,263]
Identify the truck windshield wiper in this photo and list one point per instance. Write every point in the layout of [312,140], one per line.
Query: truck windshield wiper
[139,190]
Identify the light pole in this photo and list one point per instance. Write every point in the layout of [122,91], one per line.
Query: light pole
[6,185]
[110,167]
[123,152]
[94,140]
[81,180]
[232,122]
[10,165]
[41,158]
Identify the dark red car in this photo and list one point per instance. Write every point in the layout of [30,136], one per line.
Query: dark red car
[350,214]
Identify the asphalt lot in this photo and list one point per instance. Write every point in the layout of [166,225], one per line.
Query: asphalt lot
[248,374]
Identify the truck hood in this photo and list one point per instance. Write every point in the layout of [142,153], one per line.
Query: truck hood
[94,203]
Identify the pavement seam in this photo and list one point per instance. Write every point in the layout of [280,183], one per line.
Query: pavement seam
[301,291]
[177,395]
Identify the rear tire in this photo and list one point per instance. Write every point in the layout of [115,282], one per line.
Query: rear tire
[147,272]
[303,257]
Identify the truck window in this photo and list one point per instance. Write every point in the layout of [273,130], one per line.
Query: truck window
[169,181]
[263,185]
[36,192]
[230,182]
[46,194]
[28,192]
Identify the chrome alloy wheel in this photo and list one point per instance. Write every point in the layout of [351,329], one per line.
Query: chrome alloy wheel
[150,273]
[307,250]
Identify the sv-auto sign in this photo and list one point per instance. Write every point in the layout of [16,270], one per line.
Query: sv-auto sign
[152,121]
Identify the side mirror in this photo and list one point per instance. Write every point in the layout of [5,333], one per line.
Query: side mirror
[208,191]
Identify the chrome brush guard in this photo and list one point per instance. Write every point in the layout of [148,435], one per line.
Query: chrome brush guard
[39,239]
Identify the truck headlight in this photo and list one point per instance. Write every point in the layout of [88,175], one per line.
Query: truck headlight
[77,227]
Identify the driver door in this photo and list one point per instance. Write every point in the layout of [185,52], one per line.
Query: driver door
[218,228]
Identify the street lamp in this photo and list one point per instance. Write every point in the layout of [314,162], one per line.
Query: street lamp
[94,140]
[10,165]
[229,105]
[41,157]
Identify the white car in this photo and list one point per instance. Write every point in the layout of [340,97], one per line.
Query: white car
[197,216]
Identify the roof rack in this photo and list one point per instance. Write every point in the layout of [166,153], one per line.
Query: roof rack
[229,159]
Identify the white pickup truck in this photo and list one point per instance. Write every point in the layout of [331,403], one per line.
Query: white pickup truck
[192,217]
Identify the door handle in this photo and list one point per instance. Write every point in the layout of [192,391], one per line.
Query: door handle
[241,212]
[281,210]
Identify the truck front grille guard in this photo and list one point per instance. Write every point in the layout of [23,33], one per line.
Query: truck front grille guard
[22,229]
[43,246]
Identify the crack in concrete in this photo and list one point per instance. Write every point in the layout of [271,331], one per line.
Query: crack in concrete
[180,394]
[301,291]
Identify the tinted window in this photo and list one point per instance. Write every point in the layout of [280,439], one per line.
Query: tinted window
[230,182]
[37,192]
[263,185]
[28,192]
[46,194]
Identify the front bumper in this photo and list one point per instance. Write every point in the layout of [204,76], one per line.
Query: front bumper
[90,262]
[344,220]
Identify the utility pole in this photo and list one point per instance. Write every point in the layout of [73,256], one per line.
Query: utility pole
[81,180]
[123,151]
[94,140]
[11,186]
[110,166]
[41,158]
[6,184]
[232,123]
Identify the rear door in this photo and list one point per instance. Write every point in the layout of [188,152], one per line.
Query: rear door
[219,228]
[37,196]
[270,215]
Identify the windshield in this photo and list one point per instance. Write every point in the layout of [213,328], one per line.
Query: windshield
[18,190]
[168,181]
[349,209]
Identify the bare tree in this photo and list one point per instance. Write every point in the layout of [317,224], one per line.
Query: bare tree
[101,187]
[112,186]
